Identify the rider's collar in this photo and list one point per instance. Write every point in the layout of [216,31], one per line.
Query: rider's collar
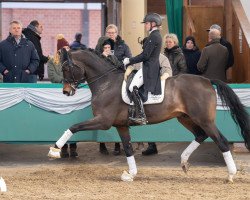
[153,29]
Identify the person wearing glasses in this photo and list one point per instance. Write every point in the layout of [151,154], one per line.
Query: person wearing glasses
[121,50]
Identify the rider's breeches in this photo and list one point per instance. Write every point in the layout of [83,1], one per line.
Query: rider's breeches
[137,80]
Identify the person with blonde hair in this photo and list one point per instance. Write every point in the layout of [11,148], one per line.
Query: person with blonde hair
[55,75]
[174,54]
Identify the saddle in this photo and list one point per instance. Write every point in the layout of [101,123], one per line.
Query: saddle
[147,97]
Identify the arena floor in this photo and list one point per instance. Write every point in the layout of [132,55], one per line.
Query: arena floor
[29,174]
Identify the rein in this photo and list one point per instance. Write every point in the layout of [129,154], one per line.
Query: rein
[78,82]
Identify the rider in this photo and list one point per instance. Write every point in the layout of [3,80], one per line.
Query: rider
[149,74]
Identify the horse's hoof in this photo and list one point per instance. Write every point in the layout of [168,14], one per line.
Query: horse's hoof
[127,177]
[230,179]
[54,152]
[185,166]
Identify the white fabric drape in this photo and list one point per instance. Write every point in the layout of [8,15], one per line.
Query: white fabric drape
[243,94]
[50,99]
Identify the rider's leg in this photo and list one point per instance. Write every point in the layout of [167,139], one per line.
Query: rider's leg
[137,82]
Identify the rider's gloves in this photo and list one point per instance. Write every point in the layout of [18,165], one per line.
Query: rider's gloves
[126,61]
[164,76]
[128,71]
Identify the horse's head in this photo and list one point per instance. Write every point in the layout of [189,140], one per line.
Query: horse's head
[73,74]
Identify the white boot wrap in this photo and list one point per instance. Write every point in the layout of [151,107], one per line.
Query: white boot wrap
[189,150]
[230,163]
[3,186]
[132,165]
[65,137]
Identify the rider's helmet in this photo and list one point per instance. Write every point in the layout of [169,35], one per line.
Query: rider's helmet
[153,17]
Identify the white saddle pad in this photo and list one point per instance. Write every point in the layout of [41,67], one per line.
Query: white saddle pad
[152,99]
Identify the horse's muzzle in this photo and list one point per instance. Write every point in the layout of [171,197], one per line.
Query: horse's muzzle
[67,89]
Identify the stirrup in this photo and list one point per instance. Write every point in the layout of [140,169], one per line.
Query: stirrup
[141,121]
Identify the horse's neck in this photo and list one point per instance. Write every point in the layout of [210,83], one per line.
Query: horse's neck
[110,83]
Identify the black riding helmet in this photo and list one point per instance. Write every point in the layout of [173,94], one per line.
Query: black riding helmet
[153,17]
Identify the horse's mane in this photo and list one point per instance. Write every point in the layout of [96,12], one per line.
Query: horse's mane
[98,54]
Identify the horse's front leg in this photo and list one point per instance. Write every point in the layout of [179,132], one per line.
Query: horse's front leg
[96,123]
[126,141]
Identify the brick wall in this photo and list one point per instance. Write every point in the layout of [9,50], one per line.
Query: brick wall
[65,21]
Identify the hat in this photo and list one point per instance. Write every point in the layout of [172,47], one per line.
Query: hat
[190,38]
[61,42]
[215,26]
[106,42]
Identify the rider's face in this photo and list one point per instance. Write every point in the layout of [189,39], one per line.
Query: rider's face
[147,26]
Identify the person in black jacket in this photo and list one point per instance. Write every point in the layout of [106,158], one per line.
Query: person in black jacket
[18,56]
[192,55]
[33,32]
[77,44]
[225,43]
[149,74]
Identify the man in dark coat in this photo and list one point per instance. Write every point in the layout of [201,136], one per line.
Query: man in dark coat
[149,74]
[33,32]
[214,58]
[18,56]
[77,43]
[226,44]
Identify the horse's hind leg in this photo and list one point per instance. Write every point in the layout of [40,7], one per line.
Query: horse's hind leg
[200,136]
[126,141]
[213,132]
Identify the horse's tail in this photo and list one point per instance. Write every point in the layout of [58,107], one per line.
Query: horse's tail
[237,109]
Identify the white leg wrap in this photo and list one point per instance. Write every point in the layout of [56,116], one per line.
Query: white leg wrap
[230,163]
[131,165]
[3,186]
[189,150]
[65,137]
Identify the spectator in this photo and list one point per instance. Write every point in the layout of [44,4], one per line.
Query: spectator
[121,50]
[77,43]
[18,56]
[192,55]
[175,54]
[33,33]
[55,75]
[214,58]
[225,43]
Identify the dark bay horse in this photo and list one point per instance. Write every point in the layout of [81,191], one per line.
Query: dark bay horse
[189,98]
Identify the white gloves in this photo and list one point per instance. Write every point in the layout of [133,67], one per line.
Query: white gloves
[126,61]
[164,76]
[128,71]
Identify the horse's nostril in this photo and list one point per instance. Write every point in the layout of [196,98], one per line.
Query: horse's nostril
[66,92]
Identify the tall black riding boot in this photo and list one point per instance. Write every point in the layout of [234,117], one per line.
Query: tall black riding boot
[140,117]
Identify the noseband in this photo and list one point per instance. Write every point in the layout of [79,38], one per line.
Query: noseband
[74,84]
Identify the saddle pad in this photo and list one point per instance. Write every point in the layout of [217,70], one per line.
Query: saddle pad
[152,99]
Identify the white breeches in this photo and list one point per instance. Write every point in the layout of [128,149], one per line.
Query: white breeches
[137,80]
